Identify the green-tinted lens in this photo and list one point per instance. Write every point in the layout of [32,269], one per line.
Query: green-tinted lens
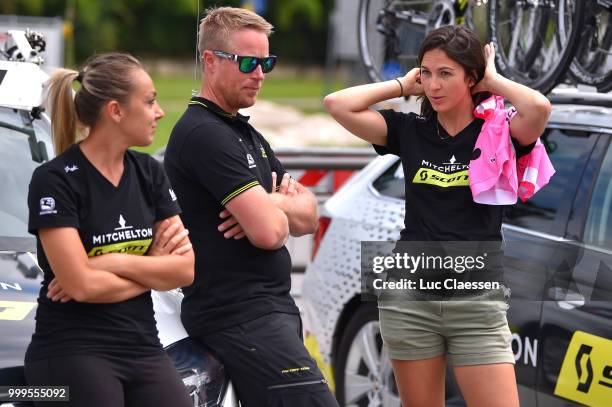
[267,64]
[248,64]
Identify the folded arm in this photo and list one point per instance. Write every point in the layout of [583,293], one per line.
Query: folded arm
[77,278]
[169,263]
[263,223]
[299,204]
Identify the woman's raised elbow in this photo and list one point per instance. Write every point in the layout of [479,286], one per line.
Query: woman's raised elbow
[543,106]
[331,103]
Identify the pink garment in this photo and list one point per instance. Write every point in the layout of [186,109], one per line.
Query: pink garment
[494,171]
[534,171]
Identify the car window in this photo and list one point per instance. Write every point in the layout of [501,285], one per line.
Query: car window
[598,230]
[391,182]
[16,167]
[564,148]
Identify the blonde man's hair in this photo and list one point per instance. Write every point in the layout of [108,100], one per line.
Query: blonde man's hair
[220,22]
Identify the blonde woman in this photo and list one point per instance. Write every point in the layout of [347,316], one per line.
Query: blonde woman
[108,231]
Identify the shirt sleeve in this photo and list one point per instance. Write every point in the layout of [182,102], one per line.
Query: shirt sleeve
[51,201]
[395,127]
[218,162]
[166,202]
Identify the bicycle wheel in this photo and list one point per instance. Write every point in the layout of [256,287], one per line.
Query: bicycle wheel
[592,64]
[390,33]
[535,41]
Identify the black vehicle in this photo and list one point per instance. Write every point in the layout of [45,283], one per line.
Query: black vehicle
[558,262]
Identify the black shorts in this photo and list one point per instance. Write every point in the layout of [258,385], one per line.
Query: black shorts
[268,364]
[96,381]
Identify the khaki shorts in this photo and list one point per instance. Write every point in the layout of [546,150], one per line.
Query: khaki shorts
[471,332]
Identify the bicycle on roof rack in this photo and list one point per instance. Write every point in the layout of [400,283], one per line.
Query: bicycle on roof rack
[592,64]
[390,32]
[537,41]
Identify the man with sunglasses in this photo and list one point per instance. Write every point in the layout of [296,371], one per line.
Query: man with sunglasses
[225,175]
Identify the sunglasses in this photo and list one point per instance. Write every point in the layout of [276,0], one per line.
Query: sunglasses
[248,64]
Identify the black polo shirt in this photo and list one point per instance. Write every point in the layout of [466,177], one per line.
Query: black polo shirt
[211,158]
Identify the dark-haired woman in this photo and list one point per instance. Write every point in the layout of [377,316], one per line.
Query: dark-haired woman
[108,231]
[421,336]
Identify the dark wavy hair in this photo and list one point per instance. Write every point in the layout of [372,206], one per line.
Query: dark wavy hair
[462,46]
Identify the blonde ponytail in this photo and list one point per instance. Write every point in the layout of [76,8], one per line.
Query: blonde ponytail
[64,120]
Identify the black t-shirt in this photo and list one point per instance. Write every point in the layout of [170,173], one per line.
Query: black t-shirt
[439,203]
[69,191]
[211,158]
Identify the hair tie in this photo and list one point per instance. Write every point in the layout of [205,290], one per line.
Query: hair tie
[80,76]
[401,88]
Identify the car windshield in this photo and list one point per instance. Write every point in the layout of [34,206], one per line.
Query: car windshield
[19,156]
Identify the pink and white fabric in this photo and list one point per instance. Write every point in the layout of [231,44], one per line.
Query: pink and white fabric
[534,171]
[494,171]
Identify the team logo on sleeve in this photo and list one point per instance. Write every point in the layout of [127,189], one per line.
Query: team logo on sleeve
[47,206]
[172,194]
[250,161]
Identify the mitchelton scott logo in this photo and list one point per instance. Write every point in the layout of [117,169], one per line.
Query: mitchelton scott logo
[448,174]
[123,239]
[586,373]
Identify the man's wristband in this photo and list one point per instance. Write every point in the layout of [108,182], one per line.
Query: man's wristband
[401,87]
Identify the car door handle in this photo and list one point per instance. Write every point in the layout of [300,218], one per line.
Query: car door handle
[566,299]
[570,304]
[573,300]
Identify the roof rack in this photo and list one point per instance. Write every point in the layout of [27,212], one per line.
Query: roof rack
[23,46]
[576,96]
[21,78]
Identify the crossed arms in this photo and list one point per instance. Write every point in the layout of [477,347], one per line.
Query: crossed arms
[116,277]
[267,219]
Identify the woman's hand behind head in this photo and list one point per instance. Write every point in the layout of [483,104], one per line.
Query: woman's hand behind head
[411,83]
[490,73]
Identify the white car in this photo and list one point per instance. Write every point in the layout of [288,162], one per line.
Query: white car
[554,338]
